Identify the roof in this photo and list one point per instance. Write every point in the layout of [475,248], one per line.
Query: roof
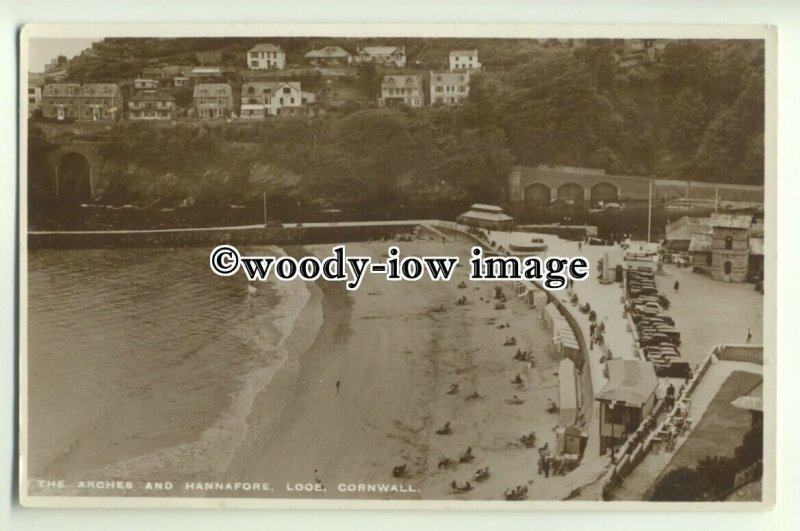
[380,50]
[266,48]
[403,80]
[485,216]
[151,97]
[88,89]
[701,243]
[449,77]
[206,69]
[685,227]
[486,208]
[731,221]
[455,53]
[61,89]
[753,403]
[329,52]
[273,86]
[211,89]
[35,79]
[630,381]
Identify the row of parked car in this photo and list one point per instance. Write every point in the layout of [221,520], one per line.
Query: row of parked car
[658,338]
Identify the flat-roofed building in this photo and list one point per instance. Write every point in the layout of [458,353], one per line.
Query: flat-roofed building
[35,86]
[266,57]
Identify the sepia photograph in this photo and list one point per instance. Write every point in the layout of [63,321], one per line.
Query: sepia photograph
[338,362]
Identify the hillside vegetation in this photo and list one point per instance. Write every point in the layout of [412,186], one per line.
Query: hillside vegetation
[696,114]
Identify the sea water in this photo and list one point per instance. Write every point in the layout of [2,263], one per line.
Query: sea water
[141,363]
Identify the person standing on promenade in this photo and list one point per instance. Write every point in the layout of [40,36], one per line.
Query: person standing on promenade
[749,336]
[676,286]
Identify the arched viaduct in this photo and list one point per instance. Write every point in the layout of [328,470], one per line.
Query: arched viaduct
[538,185]
[71,169]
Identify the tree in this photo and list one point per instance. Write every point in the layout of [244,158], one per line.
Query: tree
[716,475]
[681,484]
[688,119]
[369,80]
[752,447]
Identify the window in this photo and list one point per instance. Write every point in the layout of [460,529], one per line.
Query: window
[287,90]
[462,88]
[251,90]
[615,415]
[728,267]
[728,243]
[31,91]
[253,64]
[31,100]
[438,89]
[291,101]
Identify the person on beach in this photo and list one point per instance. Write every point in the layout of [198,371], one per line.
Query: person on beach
[749,336]
[676,286]
[338,385]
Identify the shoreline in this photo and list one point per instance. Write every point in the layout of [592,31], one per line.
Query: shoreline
[396,363]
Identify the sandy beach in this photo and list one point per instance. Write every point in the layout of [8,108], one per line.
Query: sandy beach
[396,348]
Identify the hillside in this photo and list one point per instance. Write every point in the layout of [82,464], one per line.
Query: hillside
[697,113]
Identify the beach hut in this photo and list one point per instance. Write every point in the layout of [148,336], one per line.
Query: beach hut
[625,401]
[567,393]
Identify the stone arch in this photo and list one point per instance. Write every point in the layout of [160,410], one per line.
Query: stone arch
[605,192]
[572,191]
[536,193]
[74,179]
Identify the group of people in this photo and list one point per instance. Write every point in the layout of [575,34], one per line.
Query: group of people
[596,331]
[548,463]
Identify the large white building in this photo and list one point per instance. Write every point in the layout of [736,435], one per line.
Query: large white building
[273,98]
[266,57]
[449,88]
[464,60]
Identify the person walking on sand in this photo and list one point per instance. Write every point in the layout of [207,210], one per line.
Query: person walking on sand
[749,336]
[676,286]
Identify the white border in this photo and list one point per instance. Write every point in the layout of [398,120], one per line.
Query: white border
[422,30]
